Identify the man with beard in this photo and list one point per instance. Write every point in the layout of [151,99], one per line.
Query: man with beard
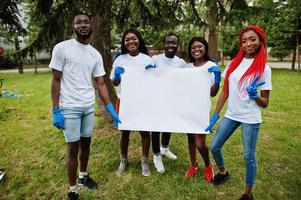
[167,59]
[74,62]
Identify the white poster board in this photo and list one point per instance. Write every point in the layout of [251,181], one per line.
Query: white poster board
[165,100]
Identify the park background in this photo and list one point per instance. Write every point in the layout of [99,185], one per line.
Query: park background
[32,151]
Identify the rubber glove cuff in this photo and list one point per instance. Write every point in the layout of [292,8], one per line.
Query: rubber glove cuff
[212,122]
[113,113]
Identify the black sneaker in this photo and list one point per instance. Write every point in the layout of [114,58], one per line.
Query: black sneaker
[73,196]
[246,197]
[220,178]
[86,182]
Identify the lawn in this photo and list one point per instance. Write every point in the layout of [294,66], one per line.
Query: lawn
[32,151]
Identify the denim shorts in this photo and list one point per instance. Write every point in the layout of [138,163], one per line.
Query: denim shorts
[79,122]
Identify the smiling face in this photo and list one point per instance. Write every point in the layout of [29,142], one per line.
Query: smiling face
[171,46]
[250,43]
[82,26]
[131,43]
[197,50]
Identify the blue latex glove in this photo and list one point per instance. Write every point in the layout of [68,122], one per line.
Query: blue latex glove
[149,66]
[252,89]
[217,73]
[117,72]
[113,114]
[212,122]
[58,118]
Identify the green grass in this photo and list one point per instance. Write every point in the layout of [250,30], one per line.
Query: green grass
[33,152]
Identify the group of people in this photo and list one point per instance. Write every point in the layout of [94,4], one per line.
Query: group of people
[75,61]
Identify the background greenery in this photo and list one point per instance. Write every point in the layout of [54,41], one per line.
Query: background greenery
[32,151]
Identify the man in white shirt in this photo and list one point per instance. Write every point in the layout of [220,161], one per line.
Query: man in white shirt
[73,64]
[170,60]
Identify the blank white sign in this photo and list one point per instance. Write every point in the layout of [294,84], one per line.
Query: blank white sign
[165,100]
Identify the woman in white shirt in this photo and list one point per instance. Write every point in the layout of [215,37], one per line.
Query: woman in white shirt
[245,73]
[198,52]
[134,54]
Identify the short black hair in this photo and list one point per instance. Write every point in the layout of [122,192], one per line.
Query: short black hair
[172,34]
[142,48]
[82,13]
[204,42]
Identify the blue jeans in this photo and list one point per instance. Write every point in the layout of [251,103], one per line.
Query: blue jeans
[249,139]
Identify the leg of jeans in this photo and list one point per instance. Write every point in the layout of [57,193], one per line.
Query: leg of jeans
[224,131]
[249,139]
[165,139]
[156,143]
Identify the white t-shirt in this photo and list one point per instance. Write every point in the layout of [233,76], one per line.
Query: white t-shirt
[240,107]
[127,61]
[77,62]
[204,67]
[162,61]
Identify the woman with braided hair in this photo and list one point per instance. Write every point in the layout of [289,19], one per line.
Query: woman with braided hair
[245,73]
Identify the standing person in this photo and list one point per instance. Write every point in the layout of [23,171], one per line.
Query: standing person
[167,59]
[198,52]
[73,63]
[246,72]
[134,54]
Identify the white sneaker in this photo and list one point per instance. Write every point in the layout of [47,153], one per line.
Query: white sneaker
[159,164]
[167,153]
[122,166]
[145,167]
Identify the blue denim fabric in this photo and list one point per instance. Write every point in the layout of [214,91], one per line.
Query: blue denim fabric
[249,139]
[79,122]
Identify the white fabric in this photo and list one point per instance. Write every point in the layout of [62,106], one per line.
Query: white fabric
[205,68]
[77,62]
[127,61]
[173,100]
[162,61]
[240,107]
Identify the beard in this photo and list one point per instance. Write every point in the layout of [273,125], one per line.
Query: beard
[83,36]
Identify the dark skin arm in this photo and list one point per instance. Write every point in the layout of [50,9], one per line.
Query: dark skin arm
[56,87]
[102,89]
[221,101]
[214,89]
[263,99]
[115,83]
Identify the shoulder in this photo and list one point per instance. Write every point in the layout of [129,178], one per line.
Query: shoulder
[94,51]
[210,63]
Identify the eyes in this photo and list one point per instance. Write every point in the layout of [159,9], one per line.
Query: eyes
[78,22]
[195,47]
[252,39]
[134,38]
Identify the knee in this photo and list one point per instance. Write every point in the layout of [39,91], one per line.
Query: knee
[250,160]
[73,150]
[213,147]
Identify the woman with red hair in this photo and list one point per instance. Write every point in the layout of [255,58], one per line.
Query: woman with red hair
[245,73]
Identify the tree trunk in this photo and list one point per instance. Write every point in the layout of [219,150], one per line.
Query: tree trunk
[294,59]
[212,19]
[213,43]
[101,40]
[35,62]
[17,57]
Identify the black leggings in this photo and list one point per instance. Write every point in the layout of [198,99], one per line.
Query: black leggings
[156,141]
